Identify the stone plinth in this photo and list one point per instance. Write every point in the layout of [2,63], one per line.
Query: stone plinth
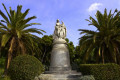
[60,57]
[59,77]
[60,68]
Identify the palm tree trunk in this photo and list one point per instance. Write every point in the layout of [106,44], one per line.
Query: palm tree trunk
[0,51]
[115,59]
[43,55]
[9,56]
[97,58]
[9,59]
[22,47]
[7,62]
[118,57]
[103,57]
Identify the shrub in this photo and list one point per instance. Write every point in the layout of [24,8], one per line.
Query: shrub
[4,78]
[101,71]
[25,67]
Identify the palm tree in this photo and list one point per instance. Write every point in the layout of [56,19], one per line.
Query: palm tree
[103,43]
[16,32]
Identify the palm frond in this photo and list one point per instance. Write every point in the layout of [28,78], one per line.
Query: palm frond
[4,16]
[6,11]
[86,31]
[24,14]
[18,14]
[27,25]
[5,39]
[29,19]
[4,26]
[33,30]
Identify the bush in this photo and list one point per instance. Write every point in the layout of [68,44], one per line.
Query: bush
[101,71]
[25,68]
[5,78]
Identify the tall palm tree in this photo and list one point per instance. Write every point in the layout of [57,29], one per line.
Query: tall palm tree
[16,32]
[105,41]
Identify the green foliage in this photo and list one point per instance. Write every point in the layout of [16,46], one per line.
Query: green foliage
[67,40]
[5,78]
[71,51]
[101,71]
[78,55]
[2,61]
[2,77]
[25,67]
[102,44]
[45,46]
[4,51]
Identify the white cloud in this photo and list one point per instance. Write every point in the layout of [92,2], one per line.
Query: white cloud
[94,6]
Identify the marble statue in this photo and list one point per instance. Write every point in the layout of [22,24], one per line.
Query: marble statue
[60,31]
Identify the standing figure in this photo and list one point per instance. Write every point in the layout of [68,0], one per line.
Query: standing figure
[56,31]
[63,31]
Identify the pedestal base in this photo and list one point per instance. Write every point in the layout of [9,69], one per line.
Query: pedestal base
[62,72]
[59,68]
[59,76]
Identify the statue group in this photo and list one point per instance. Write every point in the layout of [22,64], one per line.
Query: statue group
[60,31]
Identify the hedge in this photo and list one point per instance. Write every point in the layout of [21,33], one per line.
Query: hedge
[25,68]
[101,71]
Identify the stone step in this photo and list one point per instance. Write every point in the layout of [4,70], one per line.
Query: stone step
[46,77]
[63,79]
[66,75]
[59,76]
[62,72]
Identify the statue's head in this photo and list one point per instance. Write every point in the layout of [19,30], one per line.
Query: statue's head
[57,20]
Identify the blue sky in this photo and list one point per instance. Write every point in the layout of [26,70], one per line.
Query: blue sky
[72,12]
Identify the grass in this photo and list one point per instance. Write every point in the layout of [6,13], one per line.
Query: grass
[2,60]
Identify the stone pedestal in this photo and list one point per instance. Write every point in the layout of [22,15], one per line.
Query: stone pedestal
[60,68]
[60,60]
